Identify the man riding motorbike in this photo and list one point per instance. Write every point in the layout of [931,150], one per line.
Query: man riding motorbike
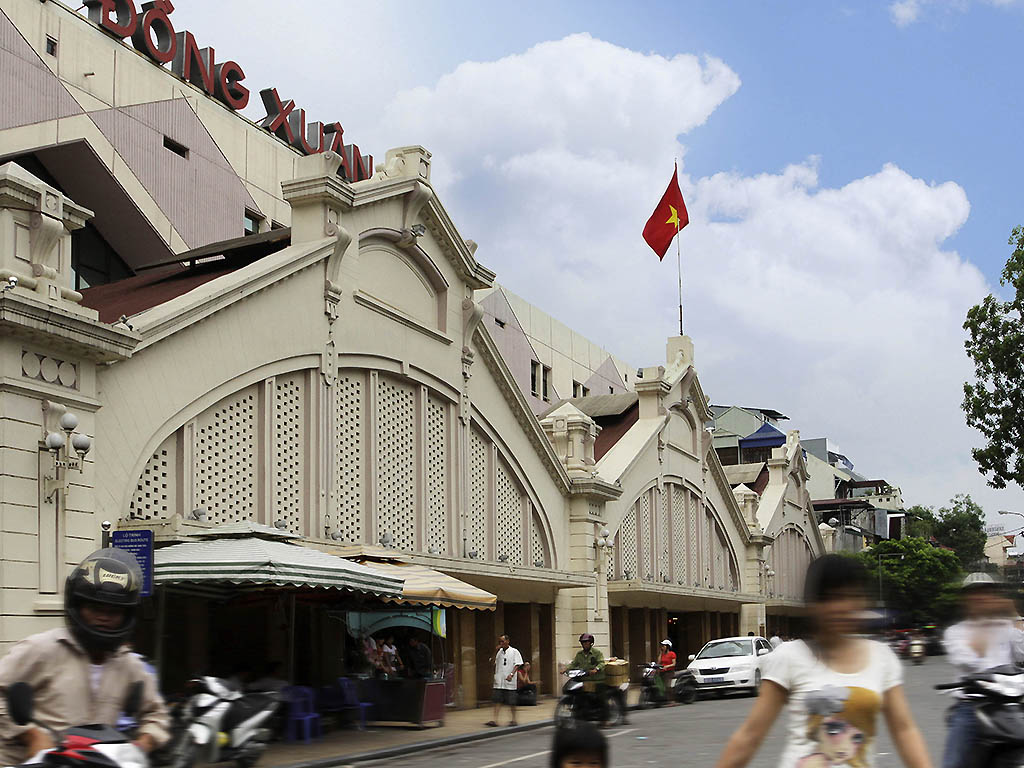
[82,673]
[988,637]
[591,660]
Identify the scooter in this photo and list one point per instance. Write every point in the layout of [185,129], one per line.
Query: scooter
[219,724]
[682,688]
[917,651]
[997,694]
[578,703]
[82,746]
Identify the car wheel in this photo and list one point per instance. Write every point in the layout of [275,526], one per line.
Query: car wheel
[688,694]
[757,684]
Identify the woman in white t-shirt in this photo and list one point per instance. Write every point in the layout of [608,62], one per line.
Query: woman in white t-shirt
[835,683]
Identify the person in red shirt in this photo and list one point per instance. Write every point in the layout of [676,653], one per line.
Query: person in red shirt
[668,664]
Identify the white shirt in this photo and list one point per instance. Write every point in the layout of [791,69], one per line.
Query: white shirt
[776,641]
[505,663]
[1005,645]
[833,716]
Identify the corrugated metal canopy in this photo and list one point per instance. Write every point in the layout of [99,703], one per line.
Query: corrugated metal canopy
[425,586]
[259,562]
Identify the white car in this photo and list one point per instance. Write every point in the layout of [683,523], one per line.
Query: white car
[730,664]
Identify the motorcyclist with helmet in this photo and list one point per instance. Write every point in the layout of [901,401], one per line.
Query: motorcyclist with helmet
[82,673]
[990,636]
[591,660]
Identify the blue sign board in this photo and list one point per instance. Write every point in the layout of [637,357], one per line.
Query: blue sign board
[140,544]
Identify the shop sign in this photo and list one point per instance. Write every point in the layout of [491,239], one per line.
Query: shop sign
[138,542]
[152,33]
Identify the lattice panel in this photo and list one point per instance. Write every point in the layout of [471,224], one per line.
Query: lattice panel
[537,551]
[663,515]
[679,551]
[708,553]
[152,499]
[509,517]
[349,466]
[627,552]
[289,435]
[437,476]
[477,533]
[693,542]
[645,537]
[225,459]
[396,466]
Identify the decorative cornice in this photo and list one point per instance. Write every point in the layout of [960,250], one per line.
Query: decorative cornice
[26,317]
[368,301]
[596,488]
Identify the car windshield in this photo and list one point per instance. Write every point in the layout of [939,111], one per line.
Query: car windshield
[726,648]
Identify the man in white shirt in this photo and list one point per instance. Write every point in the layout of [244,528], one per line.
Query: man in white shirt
[507,661]
[775,641]
[990,636]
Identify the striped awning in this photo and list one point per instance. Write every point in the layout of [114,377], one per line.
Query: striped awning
[425,586]
[256,562]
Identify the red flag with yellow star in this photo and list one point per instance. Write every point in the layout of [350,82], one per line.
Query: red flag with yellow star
[668,218]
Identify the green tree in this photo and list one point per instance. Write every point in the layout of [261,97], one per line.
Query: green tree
[961,527]
[994,403]
[920,522]
[916,577]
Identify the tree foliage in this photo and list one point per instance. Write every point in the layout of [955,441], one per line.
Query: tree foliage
[960,525]
[994,403]
[917,579]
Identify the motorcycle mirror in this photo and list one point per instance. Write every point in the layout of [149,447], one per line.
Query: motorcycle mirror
[20,703]
[133,701]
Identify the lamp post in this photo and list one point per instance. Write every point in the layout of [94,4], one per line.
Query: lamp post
[60,443]
[603,550]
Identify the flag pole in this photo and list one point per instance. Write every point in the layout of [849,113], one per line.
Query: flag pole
[679,260]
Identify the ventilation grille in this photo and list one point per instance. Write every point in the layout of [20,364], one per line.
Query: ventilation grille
[288,454]
[437,476]
[693,543]
[510,518]
[152,499]
[664,536]
[537,553]
[627,533]
[645,535]
[396,486]
[225,460]
[679,546]
[477,533]
[349,463]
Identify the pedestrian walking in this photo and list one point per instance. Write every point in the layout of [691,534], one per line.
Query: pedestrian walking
[835,683]
[507,661]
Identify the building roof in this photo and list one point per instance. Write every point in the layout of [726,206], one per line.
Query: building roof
[771,413]
[867,483]
[743,474]
[598,406]
[167,281]
[839,503]
[765,437]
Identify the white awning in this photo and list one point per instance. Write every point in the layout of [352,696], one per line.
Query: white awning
[256,562]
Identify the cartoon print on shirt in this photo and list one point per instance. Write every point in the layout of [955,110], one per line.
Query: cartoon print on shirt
[841,724]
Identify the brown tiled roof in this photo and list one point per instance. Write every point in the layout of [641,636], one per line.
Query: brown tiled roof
[168,281]
[613,427]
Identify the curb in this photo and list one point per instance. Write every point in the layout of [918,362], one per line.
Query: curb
[450,741]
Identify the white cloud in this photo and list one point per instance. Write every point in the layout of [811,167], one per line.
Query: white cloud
[905,12]
[840,306]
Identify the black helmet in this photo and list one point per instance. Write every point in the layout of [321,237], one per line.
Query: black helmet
[108,576]
[586,637]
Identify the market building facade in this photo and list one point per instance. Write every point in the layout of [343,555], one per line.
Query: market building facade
[329,376]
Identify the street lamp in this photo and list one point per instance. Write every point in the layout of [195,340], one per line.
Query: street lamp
[60,443]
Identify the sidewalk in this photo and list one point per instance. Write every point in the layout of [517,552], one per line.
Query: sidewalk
[347,745]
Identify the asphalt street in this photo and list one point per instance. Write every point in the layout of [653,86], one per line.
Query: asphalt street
[689,735]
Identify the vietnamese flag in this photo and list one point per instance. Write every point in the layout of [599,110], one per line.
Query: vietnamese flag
[668,218]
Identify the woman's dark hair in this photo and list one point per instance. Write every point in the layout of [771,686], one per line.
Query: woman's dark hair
[832,576]
[577,738]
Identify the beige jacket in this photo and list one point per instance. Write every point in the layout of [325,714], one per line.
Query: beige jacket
[57,668]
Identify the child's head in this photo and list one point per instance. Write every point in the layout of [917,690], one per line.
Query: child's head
[579,745]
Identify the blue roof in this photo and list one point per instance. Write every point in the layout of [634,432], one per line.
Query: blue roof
[766,437]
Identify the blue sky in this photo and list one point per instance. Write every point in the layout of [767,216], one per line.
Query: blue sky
[850,170]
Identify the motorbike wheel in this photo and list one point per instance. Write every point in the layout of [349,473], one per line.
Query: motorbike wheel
[185,754]
[616,712]
[757,684]
[563,713]
[646,700]
[688,694]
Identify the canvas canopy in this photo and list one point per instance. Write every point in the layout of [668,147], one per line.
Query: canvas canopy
[425,586]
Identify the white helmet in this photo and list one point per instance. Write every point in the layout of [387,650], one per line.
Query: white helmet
[979,580]
[667,642]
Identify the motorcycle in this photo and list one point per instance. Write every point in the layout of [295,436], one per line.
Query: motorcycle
[682,688]
[218,724]
[918,651]
[82,746]
[997,694]
[579,703]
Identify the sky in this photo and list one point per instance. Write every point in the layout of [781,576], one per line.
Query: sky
[850,170]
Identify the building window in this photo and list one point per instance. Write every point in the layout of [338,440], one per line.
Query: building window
[499,323]
[276,224]
[546,383]
[535,378]
[252,222]
[611,390]
[51,46]
[578,390]
[179,149]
